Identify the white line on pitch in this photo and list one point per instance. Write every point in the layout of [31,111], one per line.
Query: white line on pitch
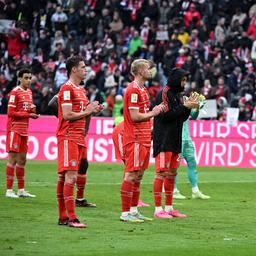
[42,184]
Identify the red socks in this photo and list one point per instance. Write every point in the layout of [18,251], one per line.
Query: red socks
[69,200]
[20,176]
[126,195]
[60,198]
[20,173]
[168,187]
[136,194]
[80,185]
[158,187]
[9,176]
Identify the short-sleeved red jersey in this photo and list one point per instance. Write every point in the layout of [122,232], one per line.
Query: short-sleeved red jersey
[19,109]
[75,96]
[136,97]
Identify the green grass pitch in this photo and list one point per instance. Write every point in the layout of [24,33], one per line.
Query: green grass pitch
[223,225]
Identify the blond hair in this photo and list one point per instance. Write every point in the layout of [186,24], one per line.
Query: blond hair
[137,65]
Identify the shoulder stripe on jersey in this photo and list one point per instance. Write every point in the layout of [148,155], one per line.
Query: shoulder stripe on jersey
[66,104]
[10,105]
[16,88]
[133,108]
[19,87]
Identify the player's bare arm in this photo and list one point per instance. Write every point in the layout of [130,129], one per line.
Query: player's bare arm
[136,116]
[70,115]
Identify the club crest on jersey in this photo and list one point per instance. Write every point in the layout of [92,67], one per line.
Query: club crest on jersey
[73,163]
[15,145]
[25,105]
[134,98]
[12,99]
[66,95]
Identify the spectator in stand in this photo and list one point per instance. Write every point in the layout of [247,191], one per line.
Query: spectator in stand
[18,39]
[135,43]
[36,91]
[192,17]
[220,31]
[116,25]
[234,80]
[196,46]
[94,94]
[60,76]
[3,50]
[164,11]
[58,44]
[245,109]
[183,36]
[239,16]
[73,19]
[44,43]
[207,90]
[181,58]
[221,90]
[82,23]
[59,20]
[72,44]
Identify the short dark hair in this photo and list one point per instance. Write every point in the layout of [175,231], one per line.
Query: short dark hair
[24,71]
[73,62]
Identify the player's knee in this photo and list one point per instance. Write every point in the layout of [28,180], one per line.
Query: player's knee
[83,167]
[12,162]
[130,177]
[70,177]
[160,175]
[139,176]
[21,162]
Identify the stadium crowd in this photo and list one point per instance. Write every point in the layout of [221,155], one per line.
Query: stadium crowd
[214,40]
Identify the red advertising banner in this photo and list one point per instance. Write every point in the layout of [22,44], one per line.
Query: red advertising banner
[216,143]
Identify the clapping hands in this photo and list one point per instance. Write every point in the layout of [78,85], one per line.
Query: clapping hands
[159,109]
[192,101]
[95,107]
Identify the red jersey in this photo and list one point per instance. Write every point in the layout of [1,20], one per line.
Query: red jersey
[74,96]
[136,97]
[19,109]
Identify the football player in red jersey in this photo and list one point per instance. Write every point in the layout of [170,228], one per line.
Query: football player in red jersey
[117,137]
[80,201]
[136,139]
[73,108]
[20,109]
